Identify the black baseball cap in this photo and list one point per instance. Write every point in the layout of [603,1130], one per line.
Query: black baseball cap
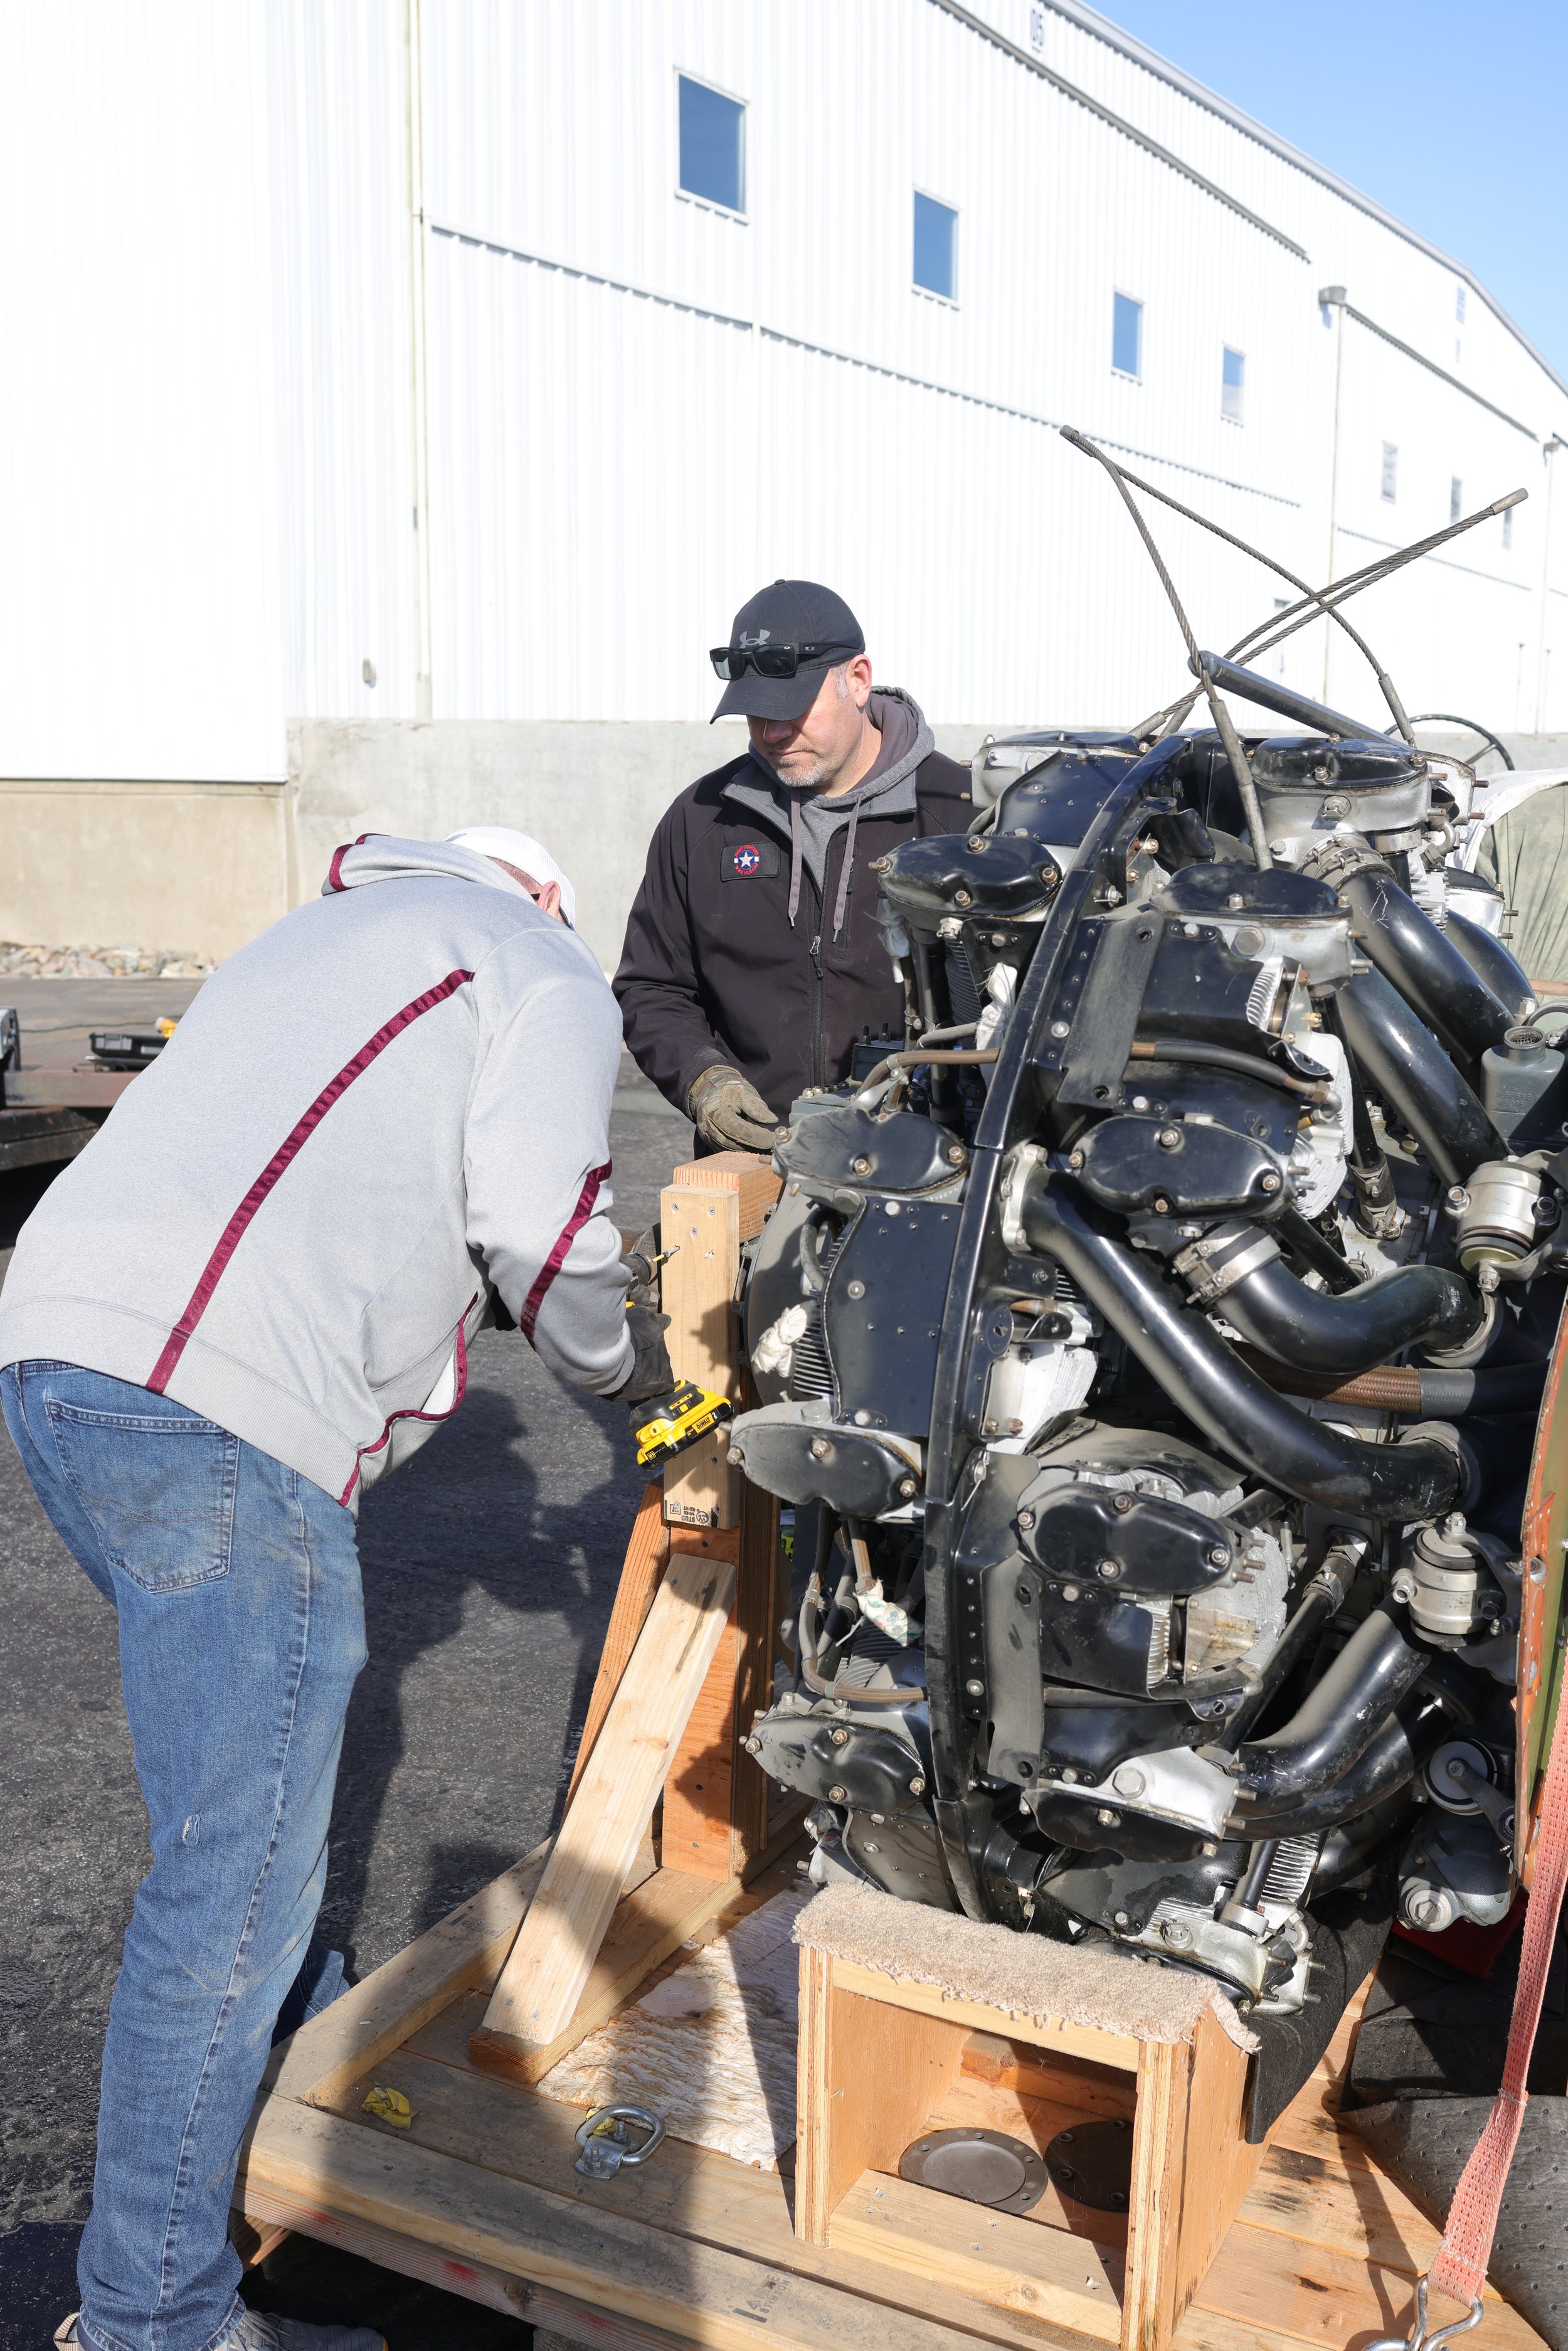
[793,613]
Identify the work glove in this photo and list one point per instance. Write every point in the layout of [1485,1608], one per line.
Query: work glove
[652,1373]
[729,1113]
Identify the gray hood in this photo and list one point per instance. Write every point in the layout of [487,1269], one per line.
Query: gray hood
[810,819]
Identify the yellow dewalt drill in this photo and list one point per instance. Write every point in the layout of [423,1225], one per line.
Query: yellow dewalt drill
[687,1412]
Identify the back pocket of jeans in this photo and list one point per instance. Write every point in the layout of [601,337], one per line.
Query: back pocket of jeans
[158,1490]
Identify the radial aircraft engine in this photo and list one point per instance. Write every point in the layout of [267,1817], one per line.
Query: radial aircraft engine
[1151,1350]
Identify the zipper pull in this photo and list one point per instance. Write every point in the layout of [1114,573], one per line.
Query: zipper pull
[817,954]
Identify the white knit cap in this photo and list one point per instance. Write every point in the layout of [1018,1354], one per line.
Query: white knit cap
[521,850]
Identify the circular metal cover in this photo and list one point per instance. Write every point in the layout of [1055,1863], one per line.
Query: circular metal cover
[1093,2163]
[984,2167]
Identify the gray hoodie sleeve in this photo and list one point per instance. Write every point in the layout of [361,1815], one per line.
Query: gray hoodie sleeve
[537,1156]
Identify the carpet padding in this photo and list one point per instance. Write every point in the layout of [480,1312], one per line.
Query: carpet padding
[1021,1975]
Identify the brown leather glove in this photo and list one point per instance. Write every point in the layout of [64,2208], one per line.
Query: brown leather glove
[729,1113]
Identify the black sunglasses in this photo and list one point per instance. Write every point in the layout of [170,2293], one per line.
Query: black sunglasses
[770,661]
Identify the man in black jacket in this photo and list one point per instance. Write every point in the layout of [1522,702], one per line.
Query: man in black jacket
[753,962]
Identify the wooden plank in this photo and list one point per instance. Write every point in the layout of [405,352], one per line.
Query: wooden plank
[759,1603]
[1038,2073]
[1155,2201]
[644,1927]
[688,2191]
[869,2076]
[644,1563]
[698,1286]
[1118,2049]
[373,2017]
[1321,2296]
[584,2246]
[474,2280]
[1214,2168]
[544,1978]
[1041,2273]
[699,1788]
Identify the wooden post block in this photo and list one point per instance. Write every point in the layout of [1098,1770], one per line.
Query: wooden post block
[557,1946]
[706,1210]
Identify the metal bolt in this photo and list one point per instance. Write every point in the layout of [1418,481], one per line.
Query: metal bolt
[1127,1780]
[1270,1183]
[1107,1818]
[974,1689]
[840,1737]
[1075,1159]
[917,1785]
[837,1795]
[856,1289]
[956,1155]
[1109,1570]
[862,1418]
[1219,1556]
[821,1450]
[1173,1932]
[1070,1591]
[974,842]
[754,1745]
[1140,1101]
[1458,1197]
[1121,1501]
[1236,901]
[1060,1027]
[1069,1775]
[1169,1138]
[1121,1919]
[869,1847]
[963,897]
[861,1166]
[907,1488]
[1026,1518]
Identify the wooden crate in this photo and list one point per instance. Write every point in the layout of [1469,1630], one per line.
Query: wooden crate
[1305,2244]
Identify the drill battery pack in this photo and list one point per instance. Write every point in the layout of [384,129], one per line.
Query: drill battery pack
[678,1420]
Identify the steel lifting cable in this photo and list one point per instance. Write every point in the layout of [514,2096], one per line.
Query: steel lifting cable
[1245,787]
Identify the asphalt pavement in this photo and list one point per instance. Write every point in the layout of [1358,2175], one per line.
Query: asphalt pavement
[490,1565]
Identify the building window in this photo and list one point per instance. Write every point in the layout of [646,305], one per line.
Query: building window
[1390,471]
[1456,498]
[1507,529]
[712,145]
[935,247]
[1232,381]
[1127,338]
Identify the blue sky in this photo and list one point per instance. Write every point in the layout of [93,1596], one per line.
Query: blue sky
[1455,118]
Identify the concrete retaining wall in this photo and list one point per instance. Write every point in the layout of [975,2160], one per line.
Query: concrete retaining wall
[205,866]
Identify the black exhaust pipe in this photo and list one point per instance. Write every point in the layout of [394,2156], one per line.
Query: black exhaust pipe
[1237,1410]
[1404,1065]
[1429,972]
[1414,1305]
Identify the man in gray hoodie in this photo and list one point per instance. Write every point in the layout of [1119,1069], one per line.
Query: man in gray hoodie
[753,962]
[381,1126]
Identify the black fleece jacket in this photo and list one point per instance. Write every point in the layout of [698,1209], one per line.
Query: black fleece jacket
[712,970]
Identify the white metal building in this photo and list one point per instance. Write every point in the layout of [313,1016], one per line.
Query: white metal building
[368,359]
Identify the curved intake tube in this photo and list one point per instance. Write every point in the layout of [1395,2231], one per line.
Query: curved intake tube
[1491,962]
[1435,979]
[1414,1305]
[1387,1763]
[1408,1070]
[1237,1410]
[1338,1721]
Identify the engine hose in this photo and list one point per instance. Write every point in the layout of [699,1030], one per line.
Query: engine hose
[1310,1252]
[1387,1762]
[1491,962]
[1429,972]
[1323,1595]
[1408,1071]
[1225,1057]
[1312,1331]
[1412,1393]
[1209,1382]
[1335,1724]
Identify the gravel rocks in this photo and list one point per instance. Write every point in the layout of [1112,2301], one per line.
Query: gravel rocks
[100,963]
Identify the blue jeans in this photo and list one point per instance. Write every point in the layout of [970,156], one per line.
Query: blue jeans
[241,1633]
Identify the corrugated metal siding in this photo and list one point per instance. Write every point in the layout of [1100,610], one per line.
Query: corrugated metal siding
[638,407]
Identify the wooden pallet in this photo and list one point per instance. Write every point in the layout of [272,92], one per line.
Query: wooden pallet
[478,2193]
